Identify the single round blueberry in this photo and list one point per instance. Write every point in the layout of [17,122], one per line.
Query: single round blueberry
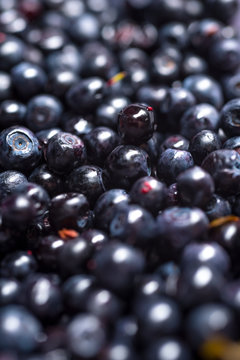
[18,265]
[86,95]
[180,225]
[172,162]
[205,89]
[51,182]
[11,52]
[12,113]
[160,350]
[190,180]
[86,336]
[230,117]
[134,225]
[197,118]
[202,144]
[10,291]
[5,86]
[117,266]
[100,142]
[47,252]
[224,167]
[218,207]
[28,80]
[69,211]
[193,64]
[209,254]
[24,334]
[77,124]
[85,28]
[126,164]
[107,205]
[209,321]
[136,123]
[149,193]
[203,33]
[88,180]
[224,55]
[19,149]
[9,181]
[96,238]
[65,152]
[43,112]
[231,86]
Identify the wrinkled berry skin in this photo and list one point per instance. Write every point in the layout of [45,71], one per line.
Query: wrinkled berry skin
[70,211]
[126,164]
[65,152]
[136,124]
[230,117]
[14,338]
[180,225]
[149,193]
[134,225]
[19,149]
[192,179]
[224,166]
[107,205]
[171,163]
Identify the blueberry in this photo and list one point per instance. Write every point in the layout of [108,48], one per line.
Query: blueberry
[5,86]
[86,95]
[51,182]
[14,338]
[76,291]
[18,210]
[70,211]
[230,295]
[218,207]
[179,226]
[100,142]
[86,336]
[193,64]
[210,254]
[12,113]
[209,321]
[119,347]
[172,162]
[231,86]
[225,55]
[205,89]
[177,142]
[203,33]
[199,284]
[43,112]
[45,135]
[65,152]
[117,265]
[48,307]
[20,149]
[174,33]
[9,181]
[230,117]
[165,67]
[47,252]
[160,350]
[69,58]
[202,144]
[73,256]
[85,28]
[88,180]
[18,265]
[29,77]
[10,291]
[60,82]
[96,238]
[149,287]
[133,224]
[197,118]
[223,166]
[11,52]
[154,95]
[107,205]
[157,318]
[149,193]
[76,124]
[126,164]
[190,180]
[107,112]
[221,9]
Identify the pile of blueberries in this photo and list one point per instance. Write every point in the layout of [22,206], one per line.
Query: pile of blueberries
[119,180]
